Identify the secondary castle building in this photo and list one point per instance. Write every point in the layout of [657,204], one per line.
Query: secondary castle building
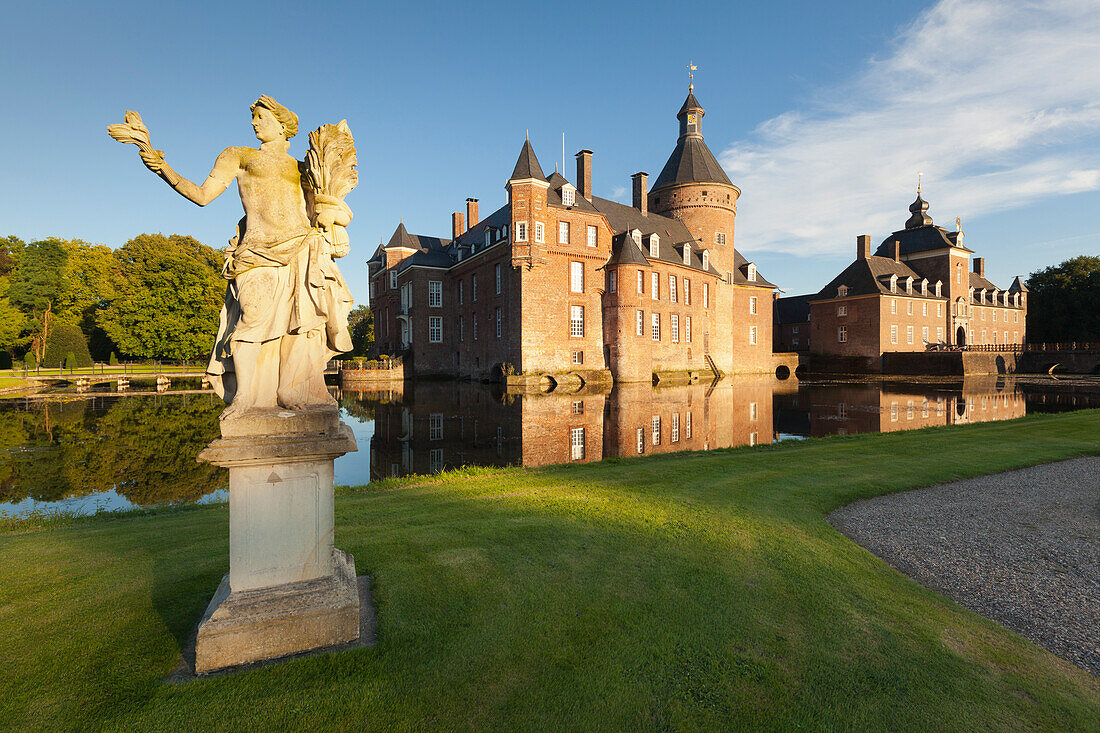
[560,280]
[916,292]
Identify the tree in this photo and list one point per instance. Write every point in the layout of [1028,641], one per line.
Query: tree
[37,283]
[66,339]
[361,325]
[168,298]
[1064,302]
[12,320]
[92,279]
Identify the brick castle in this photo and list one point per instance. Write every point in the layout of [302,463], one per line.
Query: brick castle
[559,280]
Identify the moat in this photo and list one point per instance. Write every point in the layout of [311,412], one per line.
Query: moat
[103,451]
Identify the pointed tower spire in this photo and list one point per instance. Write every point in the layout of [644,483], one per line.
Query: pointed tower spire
[527,165]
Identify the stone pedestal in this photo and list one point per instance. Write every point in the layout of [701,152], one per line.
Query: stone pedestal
[288,590]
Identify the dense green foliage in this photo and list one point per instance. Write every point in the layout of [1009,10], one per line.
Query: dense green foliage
[361,324]
[168,300]
[1064,302]
[155,297]
[700,591]
[66,339]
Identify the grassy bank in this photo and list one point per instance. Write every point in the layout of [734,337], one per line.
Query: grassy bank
[698,591]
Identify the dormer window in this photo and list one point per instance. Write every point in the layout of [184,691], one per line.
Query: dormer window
[909,285]
[893,283]
[751,273]
[568,196]
[842,291]
[654,246]
[1016,298]
[488,237]
[924,286]
[706,260]
[636,235]
[687,254]
[939,288]
[983,296]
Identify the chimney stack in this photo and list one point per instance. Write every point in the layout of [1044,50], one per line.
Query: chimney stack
[641,196]
[863,246]
[472,217]
[897,251]
[584,173]
[979,266]
[457,224]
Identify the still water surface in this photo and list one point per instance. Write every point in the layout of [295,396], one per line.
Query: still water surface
[108,451]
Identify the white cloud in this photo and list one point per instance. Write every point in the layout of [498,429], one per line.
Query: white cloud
[997,103]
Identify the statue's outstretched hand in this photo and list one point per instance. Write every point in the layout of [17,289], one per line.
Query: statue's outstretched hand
[153,159]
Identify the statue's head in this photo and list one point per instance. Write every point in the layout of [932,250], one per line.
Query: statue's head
[266,109]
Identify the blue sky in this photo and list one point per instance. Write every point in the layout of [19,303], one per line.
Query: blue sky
[821,112]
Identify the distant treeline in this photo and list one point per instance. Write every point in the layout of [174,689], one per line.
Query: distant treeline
[67,301]
[155,297]
[1064,302]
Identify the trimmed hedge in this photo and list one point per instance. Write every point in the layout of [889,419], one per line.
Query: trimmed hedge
[67,339]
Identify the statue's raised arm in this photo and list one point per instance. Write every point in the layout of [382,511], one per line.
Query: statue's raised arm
[133,130]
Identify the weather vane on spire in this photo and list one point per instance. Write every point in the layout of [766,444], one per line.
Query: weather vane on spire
[691,76]
[919,174]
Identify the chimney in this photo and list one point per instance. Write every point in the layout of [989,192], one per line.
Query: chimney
[979,266]
[472,217]
[897,251]
[584,173]
[863,246]
[641,197]
[457,224]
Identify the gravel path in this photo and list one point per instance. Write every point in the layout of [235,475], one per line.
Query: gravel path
[1021,548]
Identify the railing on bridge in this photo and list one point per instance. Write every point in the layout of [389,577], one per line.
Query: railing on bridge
[383,363]
[1019,348]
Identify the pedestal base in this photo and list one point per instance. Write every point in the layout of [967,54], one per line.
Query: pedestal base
[249,626]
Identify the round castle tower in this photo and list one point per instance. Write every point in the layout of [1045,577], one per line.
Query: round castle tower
[693,188]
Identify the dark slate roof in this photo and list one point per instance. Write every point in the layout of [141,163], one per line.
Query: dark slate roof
[793,309]
[1017,286]
[691,162]
[376,258]
[871,277]
[430,251]
[527,166]
[690,103]
[624,251]
[979,283]
[553,197]
[672,232]
[740,273]
[402,238]
[475,235]
[919,239]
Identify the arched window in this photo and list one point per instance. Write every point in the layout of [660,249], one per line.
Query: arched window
[706,260]
[752,272]
[654,246]
[893,283]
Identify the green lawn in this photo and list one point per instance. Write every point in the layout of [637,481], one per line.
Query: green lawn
[691,591]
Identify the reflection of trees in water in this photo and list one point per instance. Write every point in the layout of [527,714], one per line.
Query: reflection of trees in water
[357,406]
[143,448]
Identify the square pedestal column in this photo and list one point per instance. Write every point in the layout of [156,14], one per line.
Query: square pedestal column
[288,590]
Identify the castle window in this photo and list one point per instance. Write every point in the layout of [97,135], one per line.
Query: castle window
[563,232]
[576,277]
[752,335]
[639,323]
[461,291]
[435,329]
[654,245]
[498,322]
[568,196]
[641,281]
[578,358]
[655,326]
[939,334]
[373,290]
[578,407]
[958,273]
[908,334]
[924,287]
[909,285]
[893,283]
[496,273]
[475,327]
[473,287]
[613,281]
[719,237]
[706,295]
[687,329]
[655,425]
[654,286]
[893,306]
[687,254]
[752,272]
[687,425]
[675,427]
[641,440]
[687,291]
[893,334]
[909,308]
[540,232]
[672,288]
[636,235]
[842,291]
[576,443]
[393,279]
[706,260]
[939,310]
[593,235]
[461,328]
[435,426]
[521,231]
[488,240]
[752,305]
[939,288]
[924,334]
[842,310]
[674,326]
[576,320]
[924,309]
[435,294]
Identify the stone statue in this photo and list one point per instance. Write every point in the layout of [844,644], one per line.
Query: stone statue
[286,304]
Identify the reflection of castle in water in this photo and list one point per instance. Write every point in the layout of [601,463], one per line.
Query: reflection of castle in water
[880,407]
[432,426]
[440,425]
